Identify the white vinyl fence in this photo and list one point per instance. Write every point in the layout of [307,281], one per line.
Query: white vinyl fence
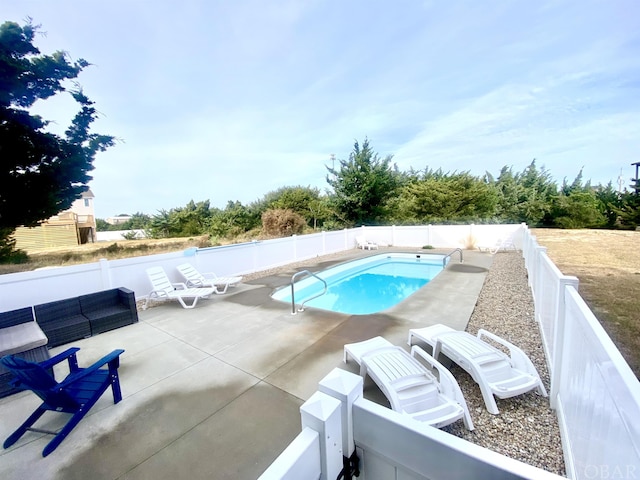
[336,420]
[45,285]
[594,391]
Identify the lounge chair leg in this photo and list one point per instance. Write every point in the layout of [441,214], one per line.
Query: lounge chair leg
[489,400]
[184,305]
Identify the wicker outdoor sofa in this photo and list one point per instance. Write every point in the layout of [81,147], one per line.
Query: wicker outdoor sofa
[30,331]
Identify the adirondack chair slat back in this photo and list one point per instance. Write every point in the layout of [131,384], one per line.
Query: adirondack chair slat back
[159,279]
[38,380]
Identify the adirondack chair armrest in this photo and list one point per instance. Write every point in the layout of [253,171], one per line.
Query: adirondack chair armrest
[519,359]
[113,359]
[69,354]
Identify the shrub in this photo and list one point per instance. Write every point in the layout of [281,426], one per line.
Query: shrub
[282,222]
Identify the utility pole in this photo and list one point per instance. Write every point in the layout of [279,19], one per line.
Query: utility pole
[636,180]
[620,182]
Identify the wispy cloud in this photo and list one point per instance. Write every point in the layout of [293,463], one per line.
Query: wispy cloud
[230,100]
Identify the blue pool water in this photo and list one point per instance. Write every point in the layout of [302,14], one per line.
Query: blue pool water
[367,285]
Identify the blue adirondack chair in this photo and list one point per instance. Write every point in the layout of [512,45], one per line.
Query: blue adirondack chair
[76,394]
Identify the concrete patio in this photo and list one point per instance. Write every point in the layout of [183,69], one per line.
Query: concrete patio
[215,392]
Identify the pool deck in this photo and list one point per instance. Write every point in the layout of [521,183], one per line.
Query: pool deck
[214,392]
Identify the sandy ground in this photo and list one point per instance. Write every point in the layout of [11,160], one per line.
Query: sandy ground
[607,263]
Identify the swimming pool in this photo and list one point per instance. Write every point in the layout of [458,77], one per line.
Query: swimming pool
[367,285]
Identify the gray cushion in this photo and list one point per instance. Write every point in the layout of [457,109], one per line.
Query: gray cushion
[20,338]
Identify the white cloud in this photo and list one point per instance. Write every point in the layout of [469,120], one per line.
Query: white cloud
[230,100]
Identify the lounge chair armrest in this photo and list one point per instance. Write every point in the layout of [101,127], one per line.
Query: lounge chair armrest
[69,354]
[447,380]
[113,359]
[209,275]
[157,293]
[519,359]
[180,286]
[448,383]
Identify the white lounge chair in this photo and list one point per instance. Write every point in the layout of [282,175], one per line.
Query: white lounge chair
[163,289]
[409,386]
[194,278]
[364,244]
[506,243]
[494,371]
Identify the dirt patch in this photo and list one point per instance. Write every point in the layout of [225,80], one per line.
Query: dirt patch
[607,263]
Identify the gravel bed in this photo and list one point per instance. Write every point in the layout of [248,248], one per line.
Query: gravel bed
[526,428]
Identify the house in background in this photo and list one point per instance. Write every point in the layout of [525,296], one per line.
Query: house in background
[72,227]
[118,219]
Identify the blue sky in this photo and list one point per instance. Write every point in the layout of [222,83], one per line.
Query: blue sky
[229,100]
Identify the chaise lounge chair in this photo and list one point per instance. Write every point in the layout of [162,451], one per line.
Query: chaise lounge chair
[75,395]
[163,289]
[494,371]
[506,243]
[410,387]
[364,244]
[193,278]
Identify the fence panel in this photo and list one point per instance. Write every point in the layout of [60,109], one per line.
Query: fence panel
[338,241]
[301,459]
[547,298]
[46,285]
[454,236]
[490,235]
[309,246]
[599,399]
[416,237]
[394,446]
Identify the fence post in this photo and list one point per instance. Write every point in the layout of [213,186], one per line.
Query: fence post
[322,414]
[105,273]
[294,244]
[346,387]
[559,335]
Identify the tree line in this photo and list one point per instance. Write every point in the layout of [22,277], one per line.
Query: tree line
[42,173]
[365,189]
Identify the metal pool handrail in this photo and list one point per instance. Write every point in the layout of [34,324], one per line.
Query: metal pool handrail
[293,297]
[444,260]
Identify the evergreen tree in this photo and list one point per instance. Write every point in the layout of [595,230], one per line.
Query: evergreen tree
[363,185]
[53,169]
